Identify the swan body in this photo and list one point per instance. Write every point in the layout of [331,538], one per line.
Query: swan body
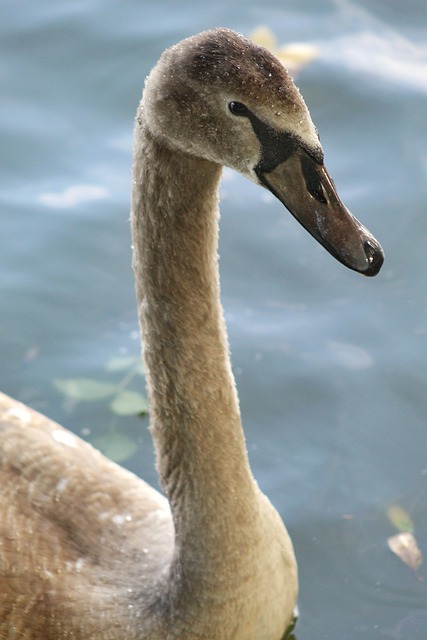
[87,550]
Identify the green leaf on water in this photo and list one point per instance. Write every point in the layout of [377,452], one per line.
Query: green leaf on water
[125,363]
[129,403]
[400,518]
[121,363]
[85,389]
[139,368]
[116,446]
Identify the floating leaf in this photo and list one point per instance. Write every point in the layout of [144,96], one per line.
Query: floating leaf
[293,56]
[129,403]
[399,518]
[121,363]
[264,36]
[297,55]
[85,389]
[124,363]
[405,547]
[116,446]
[139,368]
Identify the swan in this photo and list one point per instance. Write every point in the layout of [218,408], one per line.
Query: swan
[88,551]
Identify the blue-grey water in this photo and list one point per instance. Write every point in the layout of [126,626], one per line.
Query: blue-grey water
[330,366]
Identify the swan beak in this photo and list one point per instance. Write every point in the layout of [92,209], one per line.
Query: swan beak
[303,185]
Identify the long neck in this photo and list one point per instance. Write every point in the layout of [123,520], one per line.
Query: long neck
[195,417]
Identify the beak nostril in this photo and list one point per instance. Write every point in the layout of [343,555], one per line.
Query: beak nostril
[375,257]
[370,250]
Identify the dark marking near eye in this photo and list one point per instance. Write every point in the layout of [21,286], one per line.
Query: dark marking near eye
[278,146]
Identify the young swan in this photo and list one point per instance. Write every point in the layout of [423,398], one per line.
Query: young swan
[87,550]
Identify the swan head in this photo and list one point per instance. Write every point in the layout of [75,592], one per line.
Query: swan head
[222,98]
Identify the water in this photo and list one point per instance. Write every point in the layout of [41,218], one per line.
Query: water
[330,366]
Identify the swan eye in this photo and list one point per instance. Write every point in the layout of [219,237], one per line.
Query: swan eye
[238,108]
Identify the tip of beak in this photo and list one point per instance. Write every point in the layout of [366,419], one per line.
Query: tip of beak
[374,256]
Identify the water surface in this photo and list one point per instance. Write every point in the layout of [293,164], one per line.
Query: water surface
[330,366]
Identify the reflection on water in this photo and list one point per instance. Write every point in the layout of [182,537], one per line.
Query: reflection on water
[330,366]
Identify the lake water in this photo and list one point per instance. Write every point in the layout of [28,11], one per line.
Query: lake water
[331,367]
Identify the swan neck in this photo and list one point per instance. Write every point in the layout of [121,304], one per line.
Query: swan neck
[195,418]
